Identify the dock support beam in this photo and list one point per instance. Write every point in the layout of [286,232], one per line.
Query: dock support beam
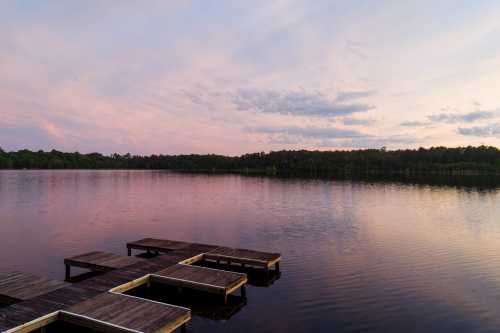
[68,272]
[277,266]
[243,291]
[184,328]
[129,251]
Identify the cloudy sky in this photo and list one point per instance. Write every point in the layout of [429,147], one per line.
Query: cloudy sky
[242,76]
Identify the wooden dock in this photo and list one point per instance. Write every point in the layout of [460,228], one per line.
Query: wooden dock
[203,279]
[265,260]
[19,286]
[98,262]
[110,312]
[101,302]
[245,257]
[165,246]
[132,313]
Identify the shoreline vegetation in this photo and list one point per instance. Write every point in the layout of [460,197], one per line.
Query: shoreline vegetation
[461,161]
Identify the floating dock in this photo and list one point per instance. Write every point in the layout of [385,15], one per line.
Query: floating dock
[98,262]
[101,302]
[19,286]
[203,279]
[209,252]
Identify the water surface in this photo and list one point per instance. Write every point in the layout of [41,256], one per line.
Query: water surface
[357,256]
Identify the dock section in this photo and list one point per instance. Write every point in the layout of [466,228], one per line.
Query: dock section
[98,261]
[99,303]
[131,313]
[114,313]
[157,245]
[259,259]
[265,260]
[209,280]
[18,286]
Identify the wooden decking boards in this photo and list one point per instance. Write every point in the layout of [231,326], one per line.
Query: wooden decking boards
[98,262]
[19,286]
[209,252]
[165,246]
[244,256]
[98,302]
[201,278]
[133,313]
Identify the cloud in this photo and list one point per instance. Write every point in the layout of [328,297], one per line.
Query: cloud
[371,142]
[298,103]
[492,130]
[356,121]
[350,95]
[414,123]
[310,132]
[451,118]
[331,137]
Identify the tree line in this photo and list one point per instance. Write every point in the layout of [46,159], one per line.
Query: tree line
[435,160]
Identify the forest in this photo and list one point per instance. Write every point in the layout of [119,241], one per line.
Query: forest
[435,160]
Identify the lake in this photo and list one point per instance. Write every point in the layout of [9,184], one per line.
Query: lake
[357,256]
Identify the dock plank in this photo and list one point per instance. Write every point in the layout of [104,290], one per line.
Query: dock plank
[244,256]
[200,278]
[133,313]
[101,261]
[210,252]
[165,246]
[22,312]
[23,286]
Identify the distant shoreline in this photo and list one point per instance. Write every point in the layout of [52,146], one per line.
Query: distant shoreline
[462,161]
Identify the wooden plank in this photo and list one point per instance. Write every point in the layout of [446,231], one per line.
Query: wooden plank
[131,285]
[65,297]
[23,286]
[23,312]
[34,324]
[154,244]
[101,261]
[133,313]
[211,252]
[244,256]
[200,278]
[110,280]
[165,245]
[92,324]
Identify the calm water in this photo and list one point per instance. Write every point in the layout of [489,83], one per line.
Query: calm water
[358,257]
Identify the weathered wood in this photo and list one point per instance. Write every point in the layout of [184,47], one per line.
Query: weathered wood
[209,252]
[200,278]
[92,324]
[131,285]
[98,261]
[244,256]
[133,313]
[23,286]
[34,324]
[165,246]
[97,302]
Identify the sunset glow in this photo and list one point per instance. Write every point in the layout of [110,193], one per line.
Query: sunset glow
[231,77]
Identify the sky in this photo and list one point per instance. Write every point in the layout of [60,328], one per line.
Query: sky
[233,77]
